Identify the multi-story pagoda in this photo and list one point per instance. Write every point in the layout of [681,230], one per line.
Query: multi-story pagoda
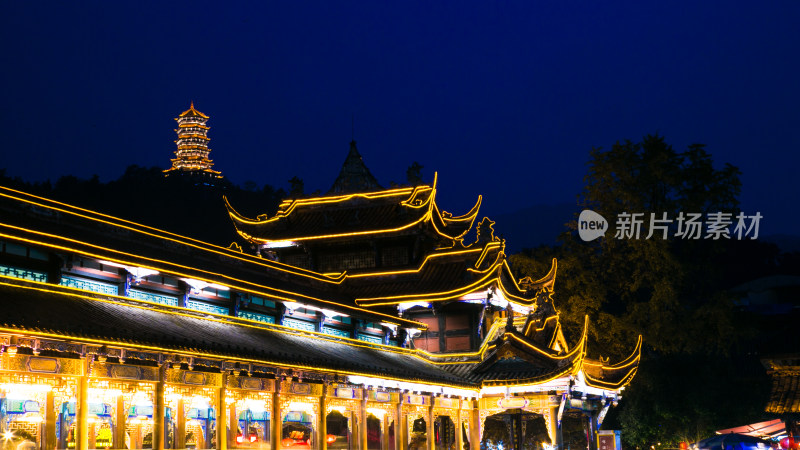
[191,156]
[397,252]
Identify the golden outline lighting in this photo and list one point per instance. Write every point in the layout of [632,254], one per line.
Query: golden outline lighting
[272,292]
[239,363]
[161,234]
[285,209]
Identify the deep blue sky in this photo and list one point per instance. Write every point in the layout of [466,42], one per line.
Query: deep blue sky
[501,98]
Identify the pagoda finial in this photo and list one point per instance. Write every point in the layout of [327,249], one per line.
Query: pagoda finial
[354,176]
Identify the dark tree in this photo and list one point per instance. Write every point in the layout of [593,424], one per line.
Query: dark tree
[414,174]
[673,291]
[177,204]
[296,186]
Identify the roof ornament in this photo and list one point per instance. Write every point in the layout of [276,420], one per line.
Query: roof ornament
[414,174]
[509,318]
[355,176]
[544,302]
[486,231]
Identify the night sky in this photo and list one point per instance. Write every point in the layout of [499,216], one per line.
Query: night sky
[503,99]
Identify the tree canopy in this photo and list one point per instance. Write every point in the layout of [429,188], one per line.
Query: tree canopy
[671,289]
[182,205]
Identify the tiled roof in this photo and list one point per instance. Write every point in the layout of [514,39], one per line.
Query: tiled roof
[61,226]
[438,275]
[54,310]
[75,316]
[785,395]
[515,369]
[443,277]
[353,215]
[82,317]
[297,220]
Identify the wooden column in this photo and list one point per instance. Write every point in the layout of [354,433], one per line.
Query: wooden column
[180,429]
[592,418]
[400,442]
[122,416]
[50,438]
[159,410]
[322,421]
[459,438]
[362,432]
[475,427]
[82,406]
[93,434]
[275,420]
[220,416]
[385,432]
[552,426]
[233,426]
[429,426]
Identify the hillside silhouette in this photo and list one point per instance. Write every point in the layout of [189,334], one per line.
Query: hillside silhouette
[181,205]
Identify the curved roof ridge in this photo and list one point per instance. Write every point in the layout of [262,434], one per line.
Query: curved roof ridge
[137,227]
[613,376]
[633,357]
[419,268]
[548,281]
[468,216]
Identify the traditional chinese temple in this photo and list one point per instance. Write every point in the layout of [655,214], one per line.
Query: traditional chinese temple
[360,319]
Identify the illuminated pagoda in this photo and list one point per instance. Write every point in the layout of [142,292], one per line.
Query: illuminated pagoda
[191,156]
[361,320]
